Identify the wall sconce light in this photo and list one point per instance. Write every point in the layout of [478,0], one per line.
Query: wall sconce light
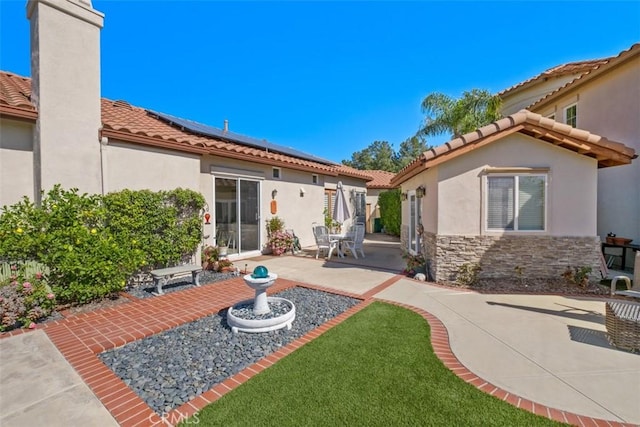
[274,193]
[302,192]
[403,196]
[207,217]
[420,192]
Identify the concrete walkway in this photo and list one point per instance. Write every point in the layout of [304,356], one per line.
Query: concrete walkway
[545,350]
[551,350]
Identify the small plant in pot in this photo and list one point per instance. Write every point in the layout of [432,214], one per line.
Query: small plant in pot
[209,258]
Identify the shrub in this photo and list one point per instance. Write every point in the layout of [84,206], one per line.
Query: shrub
[468,273]
[578,275]
[274,224]
[24,299]
[415,263]
[92,245]
[390,211]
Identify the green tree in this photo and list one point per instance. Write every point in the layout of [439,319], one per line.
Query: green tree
[377,156]
[409,150]
[458,116]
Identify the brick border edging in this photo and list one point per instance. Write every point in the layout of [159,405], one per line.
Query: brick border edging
[442,349]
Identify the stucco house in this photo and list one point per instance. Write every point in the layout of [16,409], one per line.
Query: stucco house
[603,96]
[520,192]
[381,182]
[56,128]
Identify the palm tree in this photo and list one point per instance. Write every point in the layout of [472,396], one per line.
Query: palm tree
[459,116]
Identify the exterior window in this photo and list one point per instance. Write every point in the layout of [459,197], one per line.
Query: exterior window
[516,203]
[361,206]
[571,115]
[415,218]
[276,173]
[314,179]
[329,200]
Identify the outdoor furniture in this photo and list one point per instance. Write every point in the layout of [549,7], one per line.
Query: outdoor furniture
[324,241]
[355,241]
[623,324]
[632,291]
[162,275]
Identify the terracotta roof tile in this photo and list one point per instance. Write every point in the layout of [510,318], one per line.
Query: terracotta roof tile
[381,179]
[15,96]
[589,74]
[558,71]
[129,123]
[608,153]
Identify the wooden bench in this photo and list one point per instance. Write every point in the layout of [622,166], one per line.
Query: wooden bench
[162,275]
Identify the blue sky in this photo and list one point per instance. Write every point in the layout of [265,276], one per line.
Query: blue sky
[324,77]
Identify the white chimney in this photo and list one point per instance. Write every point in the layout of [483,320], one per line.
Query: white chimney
[65,70]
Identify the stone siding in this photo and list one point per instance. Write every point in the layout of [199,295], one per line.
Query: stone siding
[540,256]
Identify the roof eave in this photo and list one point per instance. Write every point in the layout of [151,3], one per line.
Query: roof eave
[9,111]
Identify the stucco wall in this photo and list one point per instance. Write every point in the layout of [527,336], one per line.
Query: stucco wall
[66,91]
[522,99]
[137,167]
[571,186]
[16,161]
[610,106]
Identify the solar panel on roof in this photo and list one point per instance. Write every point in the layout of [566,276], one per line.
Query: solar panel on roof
[206,130]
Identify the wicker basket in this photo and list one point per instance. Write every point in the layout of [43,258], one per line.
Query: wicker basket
[623,325]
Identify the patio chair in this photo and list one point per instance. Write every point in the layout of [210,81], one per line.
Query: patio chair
[355,243]
[323,241]
[295,246]
[634,291]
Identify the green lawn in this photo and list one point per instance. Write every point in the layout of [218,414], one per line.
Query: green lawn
[376,368]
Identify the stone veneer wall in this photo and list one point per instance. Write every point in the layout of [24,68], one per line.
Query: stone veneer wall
[541,256]
[404,237]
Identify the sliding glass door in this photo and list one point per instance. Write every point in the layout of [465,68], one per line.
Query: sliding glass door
[237,214]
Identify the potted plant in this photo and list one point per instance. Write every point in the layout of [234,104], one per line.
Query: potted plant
[209,258]
[223,247]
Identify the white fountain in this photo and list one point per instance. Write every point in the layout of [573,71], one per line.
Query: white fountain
[260,318]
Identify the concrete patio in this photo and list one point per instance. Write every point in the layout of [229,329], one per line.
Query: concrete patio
[548,354]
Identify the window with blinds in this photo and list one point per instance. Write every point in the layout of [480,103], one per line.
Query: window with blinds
[516,203]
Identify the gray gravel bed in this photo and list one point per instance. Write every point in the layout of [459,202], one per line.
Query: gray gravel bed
[174,366]
[178,284]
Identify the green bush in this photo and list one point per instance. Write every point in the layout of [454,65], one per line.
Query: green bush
[390,211]
[92,245]
[166,226]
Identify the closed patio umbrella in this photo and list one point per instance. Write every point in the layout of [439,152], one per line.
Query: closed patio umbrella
[340,208]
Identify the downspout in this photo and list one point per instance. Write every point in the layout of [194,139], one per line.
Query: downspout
[104,141]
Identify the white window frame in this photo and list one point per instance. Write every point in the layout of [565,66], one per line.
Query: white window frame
[279,173]
[566,118]
[417,248]
[516,202]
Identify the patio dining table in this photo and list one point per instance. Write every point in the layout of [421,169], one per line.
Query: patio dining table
[340,237]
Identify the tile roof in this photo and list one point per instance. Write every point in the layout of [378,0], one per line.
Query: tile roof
[608,153]
[590,74]
[15,96]
[381,179]
[557,71]
[125,122]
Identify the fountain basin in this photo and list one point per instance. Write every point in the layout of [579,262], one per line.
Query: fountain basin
[264,324]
